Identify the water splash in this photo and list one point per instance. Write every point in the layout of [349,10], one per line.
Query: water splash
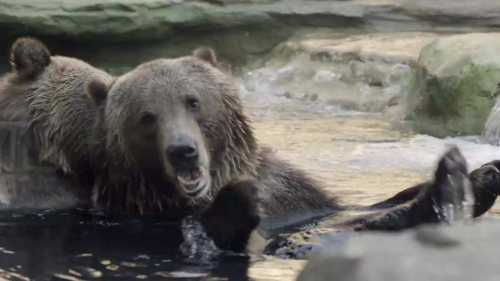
[197,246]
[332,87]
[456,204]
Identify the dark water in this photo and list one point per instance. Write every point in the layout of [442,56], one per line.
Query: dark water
[76,244]
[3,66]
[83,245]
[64,245]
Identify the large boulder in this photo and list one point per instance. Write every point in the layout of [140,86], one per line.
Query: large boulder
[455,86]
[237,29]
[240,30]
[154,19]
[457,253]
[126,20]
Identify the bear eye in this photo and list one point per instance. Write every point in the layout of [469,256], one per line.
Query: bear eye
[193,103]
[147,118]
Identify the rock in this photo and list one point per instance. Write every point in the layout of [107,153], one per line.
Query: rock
[447,253]
[154,19]
[236,28]
[159,28]
[455,86]
[456,12]
[402,48]
[491,133]
[354,72]
[137,20]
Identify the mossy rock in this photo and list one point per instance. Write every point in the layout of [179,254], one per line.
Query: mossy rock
[456,84]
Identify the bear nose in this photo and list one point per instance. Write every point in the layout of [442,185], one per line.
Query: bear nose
[183,152]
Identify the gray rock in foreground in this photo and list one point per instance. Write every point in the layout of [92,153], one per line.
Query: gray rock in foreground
[454,253]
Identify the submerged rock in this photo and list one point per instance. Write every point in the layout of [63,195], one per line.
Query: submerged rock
[447,253]
[455,86]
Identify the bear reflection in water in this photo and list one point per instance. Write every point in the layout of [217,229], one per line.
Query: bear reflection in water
[170,139]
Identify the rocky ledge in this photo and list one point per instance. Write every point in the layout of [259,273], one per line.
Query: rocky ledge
[236,27]
[156,19]
[139,19]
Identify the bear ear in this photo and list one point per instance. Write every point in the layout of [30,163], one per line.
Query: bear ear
[97,91]
[206,54]
[29,57]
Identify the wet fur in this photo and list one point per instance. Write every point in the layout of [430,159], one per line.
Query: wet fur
[229,137]
[49,92]
[76,120]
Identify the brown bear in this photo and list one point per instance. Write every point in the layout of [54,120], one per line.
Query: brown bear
[176,134]
[171,138]
[178,142]
[49,94]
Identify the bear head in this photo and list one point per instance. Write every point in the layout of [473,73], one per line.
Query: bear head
[175,131]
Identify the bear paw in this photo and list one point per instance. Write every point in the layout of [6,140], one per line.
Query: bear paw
[233,216]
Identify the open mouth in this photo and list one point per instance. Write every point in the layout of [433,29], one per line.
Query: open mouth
[194,182]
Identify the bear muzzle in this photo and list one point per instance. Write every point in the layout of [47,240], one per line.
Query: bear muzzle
[188,161]
[194,183]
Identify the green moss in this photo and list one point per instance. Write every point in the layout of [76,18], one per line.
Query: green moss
[455,86]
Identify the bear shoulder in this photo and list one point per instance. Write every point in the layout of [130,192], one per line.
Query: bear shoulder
[13,106]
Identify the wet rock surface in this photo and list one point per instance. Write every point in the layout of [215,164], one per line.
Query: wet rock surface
[156,19]
[474,13]
[239,30]
[441,84]
[460,252]
[365,72]
[456,84]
